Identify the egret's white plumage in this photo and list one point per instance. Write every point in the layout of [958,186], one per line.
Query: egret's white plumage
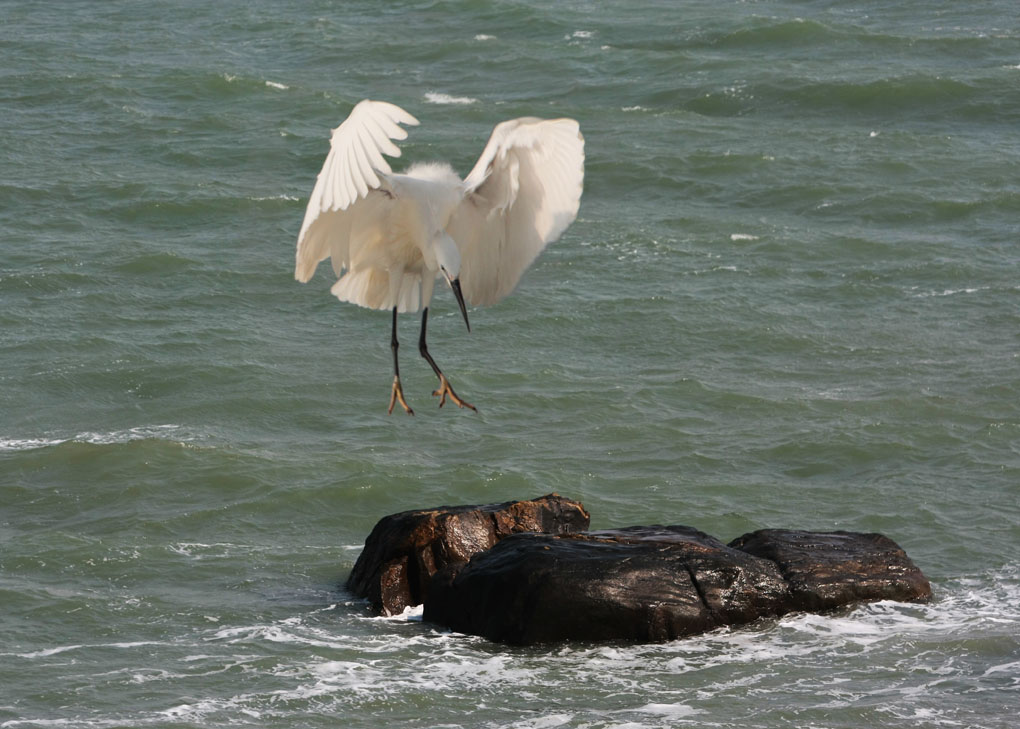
[389,236]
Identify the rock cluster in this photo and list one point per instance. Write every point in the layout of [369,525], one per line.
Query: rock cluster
[525,572]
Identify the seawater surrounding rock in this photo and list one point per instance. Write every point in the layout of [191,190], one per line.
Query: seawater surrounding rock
[405,550]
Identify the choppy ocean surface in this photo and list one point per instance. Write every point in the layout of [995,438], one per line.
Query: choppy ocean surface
[791,299]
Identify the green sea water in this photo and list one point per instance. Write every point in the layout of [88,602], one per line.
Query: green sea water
[790,300]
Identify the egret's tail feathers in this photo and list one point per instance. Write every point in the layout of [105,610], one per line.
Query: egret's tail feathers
[370,287]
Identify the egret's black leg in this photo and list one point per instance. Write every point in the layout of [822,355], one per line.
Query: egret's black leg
[398,391]
[444,384]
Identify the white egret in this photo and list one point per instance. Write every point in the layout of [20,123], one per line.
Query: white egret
[391,235]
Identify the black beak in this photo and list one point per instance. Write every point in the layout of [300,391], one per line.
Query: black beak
[455,285]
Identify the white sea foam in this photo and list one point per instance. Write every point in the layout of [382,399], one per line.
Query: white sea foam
[742,236]
[289,198]
[276,85]
[1011,670]
[410,614]
[547,722]
[49,651]
[159,432]
[218,550]
[198,711]
[27,444]
[46,652]
[949,292]
[436,98]
[671,710]
[152,674]
[225,550]
[484,37]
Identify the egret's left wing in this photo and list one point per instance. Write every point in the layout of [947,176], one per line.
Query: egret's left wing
[350,172]
[521,195]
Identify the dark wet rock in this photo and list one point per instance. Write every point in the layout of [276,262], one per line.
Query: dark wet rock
[525,572]
[634,584]
[659,583]
[827,570]
[405,550]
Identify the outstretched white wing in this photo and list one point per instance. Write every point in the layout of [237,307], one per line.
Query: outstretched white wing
[521,195]
[348,174]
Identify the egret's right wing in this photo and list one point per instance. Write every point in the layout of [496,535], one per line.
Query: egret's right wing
[521,195]
[349,173]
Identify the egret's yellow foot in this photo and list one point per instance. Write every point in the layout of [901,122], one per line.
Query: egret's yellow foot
[398,394]
[445,389]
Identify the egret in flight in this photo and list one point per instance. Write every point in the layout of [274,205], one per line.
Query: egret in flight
[390,236]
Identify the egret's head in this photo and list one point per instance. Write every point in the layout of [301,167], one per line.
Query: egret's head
[448,259]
